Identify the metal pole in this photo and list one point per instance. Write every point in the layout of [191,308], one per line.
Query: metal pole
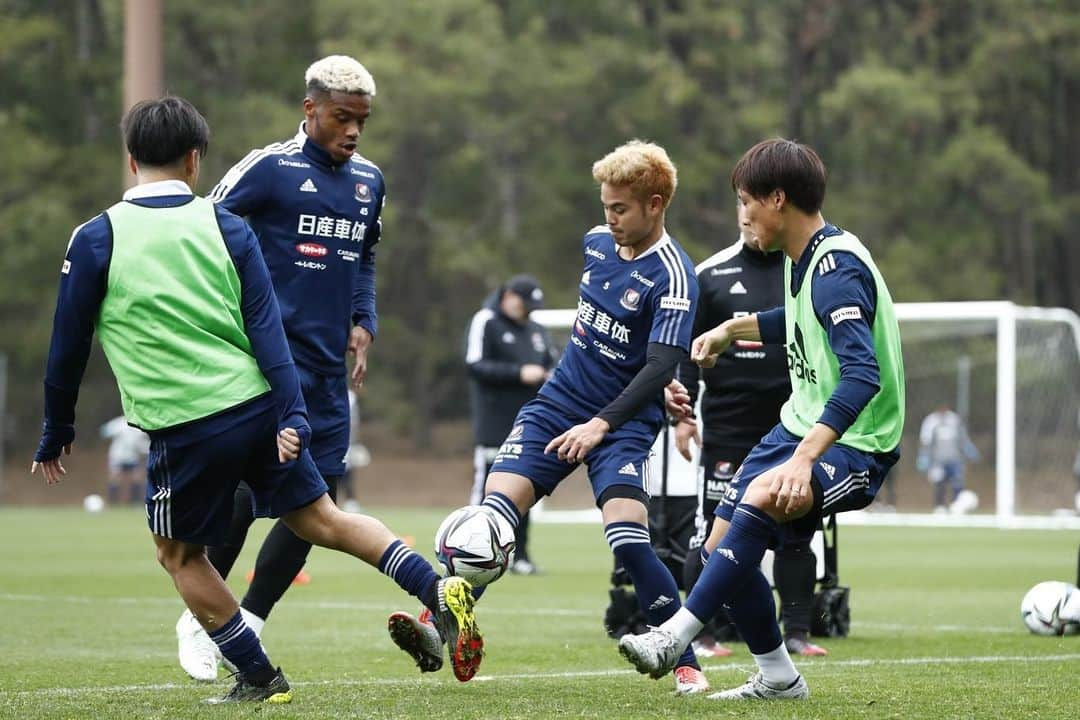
[963,388]
[3,414]
[143,71]
[1006,417]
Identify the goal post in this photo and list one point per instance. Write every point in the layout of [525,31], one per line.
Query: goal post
[1012,372]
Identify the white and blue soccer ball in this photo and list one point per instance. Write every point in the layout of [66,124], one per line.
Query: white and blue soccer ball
[1052,608]
[475,543]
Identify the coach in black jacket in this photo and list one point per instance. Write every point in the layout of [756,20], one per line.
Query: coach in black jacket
[509,357]
[742,400]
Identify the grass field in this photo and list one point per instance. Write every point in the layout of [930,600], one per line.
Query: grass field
[86,631]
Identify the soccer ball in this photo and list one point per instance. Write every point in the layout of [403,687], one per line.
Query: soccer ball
[1052,608]
[966,501]
[93,503]
[475,543]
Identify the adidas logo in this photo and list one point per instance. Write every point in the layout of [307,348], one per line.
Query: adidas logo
[727,553]
[308,186]
[830,470]
[628,469]
[738,288]
[660,602]
[585,276]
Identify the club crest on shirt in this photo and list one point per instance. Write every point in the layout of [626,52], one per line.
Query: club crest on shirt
[723,470]
[363,193]
[630,299]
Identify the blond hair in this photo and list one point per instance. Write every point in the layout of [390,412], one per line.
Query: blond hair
[339,73]
[643,166]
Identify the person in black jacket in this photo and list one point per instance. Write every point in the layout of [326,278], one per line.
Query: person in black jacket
[742,400]
[509,357]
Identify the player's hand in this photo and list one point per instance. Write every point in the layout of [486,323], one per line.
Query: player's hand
[532,374]
[707,347]
[685,431]
[288,445]
[359,341]
[51,469]
[789,486]
[574,444]
[677,400]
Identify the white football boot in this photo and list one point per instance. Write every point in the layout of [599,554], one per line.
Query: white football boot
[653,653]
[756,688]
[198,653]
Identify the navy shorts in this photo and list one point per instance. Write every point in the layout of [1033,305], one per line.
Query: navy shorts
[620,459]
[849,479]
[327,399]
[190,486]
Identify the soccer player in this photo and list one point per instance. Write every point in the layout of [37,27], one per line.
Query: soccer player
[509,357]
[127,447]
[181,299]
[741,403]
[944,448]
[839,432]
[315,206]
[603,405]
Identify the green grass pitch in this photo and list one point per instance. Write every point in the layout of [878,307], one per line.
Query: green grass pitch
[86,631]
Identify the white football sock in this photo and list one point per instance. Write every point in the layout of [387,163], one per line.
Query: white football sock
[684,625]
[253,621]
[776,667]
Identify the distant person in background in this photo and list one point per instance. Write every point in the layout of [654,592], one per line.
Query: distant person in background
[509,357]
[944,449]
[128,446]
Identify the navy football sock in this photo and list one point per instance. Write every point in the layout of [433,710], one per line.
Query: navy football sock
[656,590]
[753,610]
[410,571]
[733,561]
[240,646]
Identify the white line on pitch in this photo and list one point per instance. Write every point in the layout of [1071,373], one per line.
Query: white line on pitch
[818,665]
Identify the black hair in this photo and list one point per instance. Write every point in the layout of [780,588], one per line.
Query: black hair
[158,133]
[780,164]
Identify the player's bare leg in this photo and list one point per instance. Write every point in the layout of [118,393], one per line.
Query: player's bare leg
[450,600]
[217,610]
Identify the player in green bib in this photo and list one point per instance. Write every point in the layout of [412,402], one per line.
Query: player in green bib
[839,432]
[180,297]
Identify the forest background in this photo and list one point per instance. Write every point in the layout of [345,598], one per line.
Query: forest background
[951,129]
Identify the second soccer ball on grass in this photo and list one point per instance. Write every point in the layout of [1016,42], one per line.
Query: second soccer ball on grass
[475,544]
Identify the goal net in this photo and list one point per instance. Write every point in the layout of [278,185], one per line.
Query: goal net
[1013,375]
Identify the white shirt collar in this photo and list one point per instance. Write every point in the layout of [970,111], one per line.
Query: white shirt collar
[665,239]
[158,189]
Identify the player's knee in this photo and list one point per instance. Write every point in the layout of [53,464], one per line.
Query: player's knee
[173,555]
[758,495]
